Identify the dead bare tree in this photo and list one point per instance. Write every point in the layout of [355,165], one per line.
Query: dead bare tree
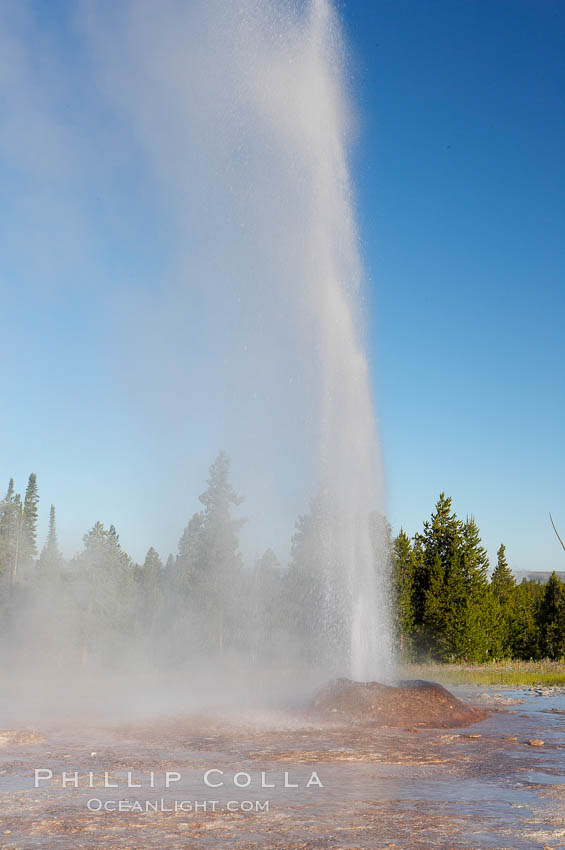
[555,530]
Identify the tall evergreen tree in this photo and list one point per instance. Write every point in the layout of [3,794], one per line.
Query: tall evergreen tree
[441,535]
[151,596]
[403,573]
[525,631]
[7,531]
[433,620]
[503,582]
[189,565]
[503,593]
[316,585]
[265,633]
[219,558]
[475,559]
[106,578]
[51,558]
[480,629]
[14,538]
[552,618]
[455,634]
[9,497]
[28,547]
[499,623]
[454,614]
[152,566]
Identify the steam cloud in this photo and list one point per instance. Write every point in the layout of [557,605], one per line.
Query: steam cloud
[252,337]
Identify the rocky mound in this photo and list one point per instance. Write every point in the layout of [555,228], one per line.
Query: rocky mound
[410,703]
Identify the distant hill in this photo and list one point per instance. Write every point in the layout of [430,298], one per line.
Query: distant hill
[536,575]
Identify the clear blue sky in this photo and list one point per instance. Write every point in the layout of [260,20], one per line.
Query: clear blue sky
[460,180]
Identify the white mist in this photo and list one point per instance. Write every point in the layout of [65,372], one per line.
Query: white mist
[242,112]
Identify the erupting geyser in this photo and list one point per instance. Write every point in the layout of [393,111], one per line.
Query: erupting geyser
[243,113]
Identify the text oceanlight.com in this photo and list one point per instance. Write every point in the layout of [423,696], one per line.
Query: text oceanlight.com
[193,806]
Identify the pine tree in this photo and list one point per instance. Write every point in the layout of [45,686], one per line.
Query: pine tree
[499,627]
[219,559]
[151,581]
[403,573]
[152,571]
[433,624]
[552,618]
[106,575]
[482,640]
[441,534]
[455,634]
[9,497]
[7,531]
[52,542]
[51,559]
[475,559]
[503,582]
[525,631]
[267,563]
[452,607]
[503,593]
[315,587]
[265,631]
[189,565]
[479,628]
[14,538]
[28,547]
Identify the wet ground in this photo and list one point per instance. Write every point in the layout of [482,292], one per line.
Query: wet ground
[278,780]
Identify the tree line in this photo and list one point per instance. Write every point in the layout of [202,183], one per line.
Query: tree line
[448,609]
[102,608]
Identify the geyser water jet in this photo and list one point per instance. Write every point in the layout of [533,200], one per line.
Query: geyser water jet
[243,115]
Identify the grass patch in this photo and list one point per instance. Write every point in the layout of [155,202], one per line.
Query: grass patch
[524,673]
